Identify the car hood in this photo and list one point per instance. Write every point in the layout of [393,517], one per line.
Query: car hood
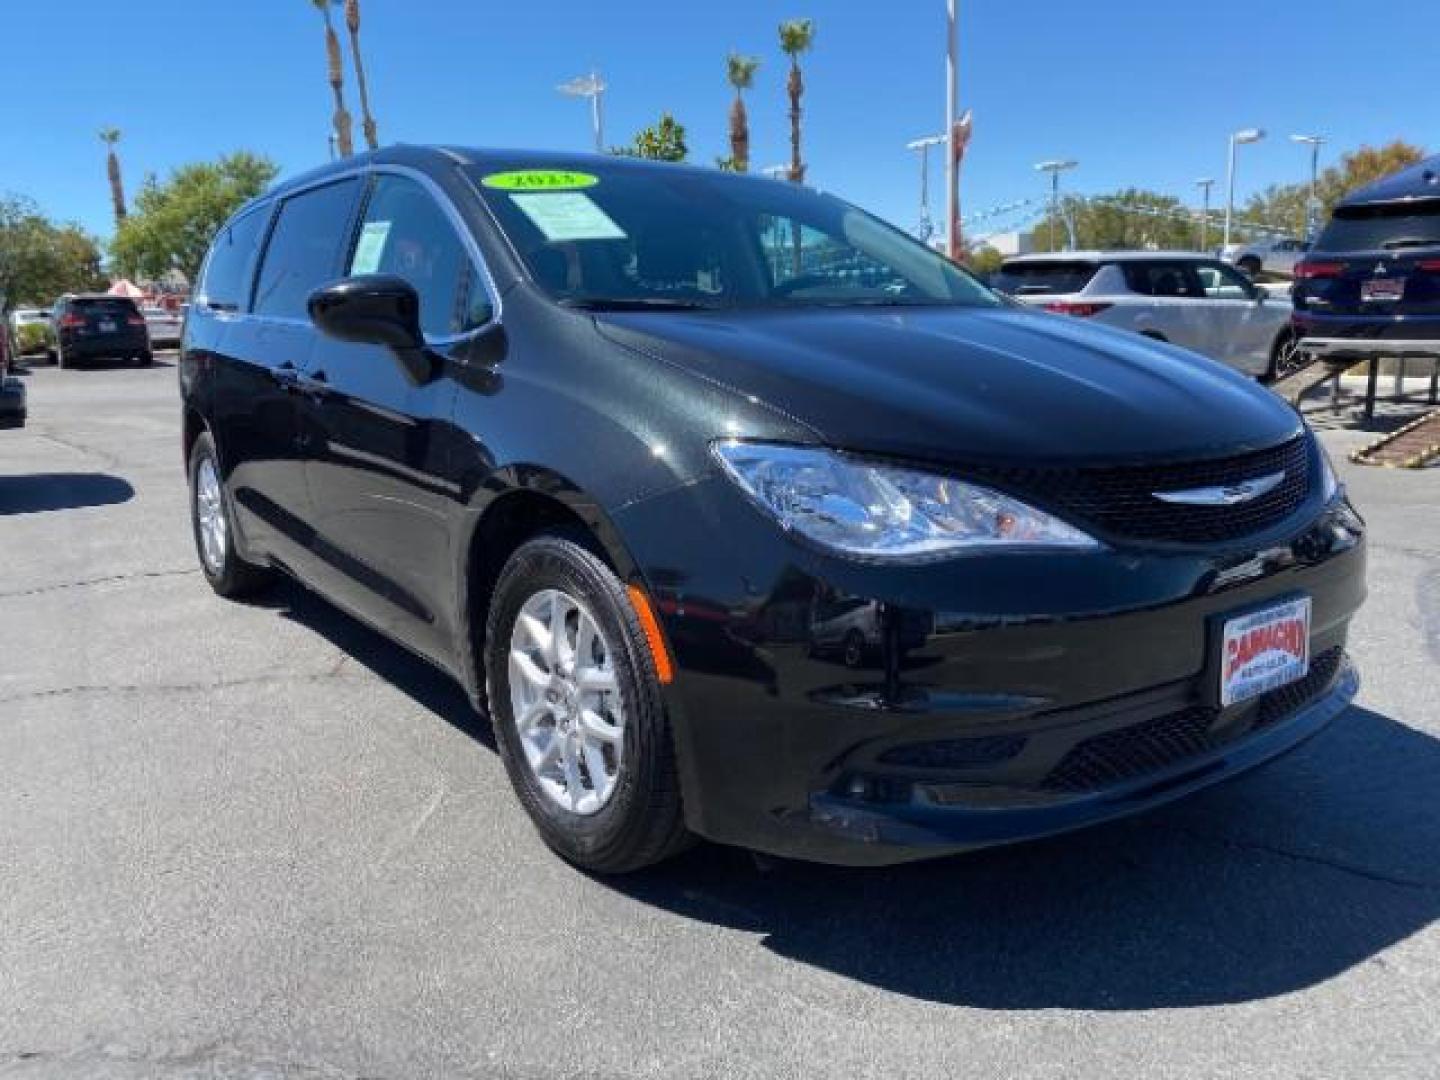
[949,384]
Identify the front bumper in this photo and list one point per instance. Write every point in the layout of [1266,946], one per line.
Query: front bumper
[12,402]
[992,673]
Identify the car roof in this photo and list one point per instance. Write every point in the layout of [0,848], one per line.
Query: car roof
[1111,256]
[1419,181]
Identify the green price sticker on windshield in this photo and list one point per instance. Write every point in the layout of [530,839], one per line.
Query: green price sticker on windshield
[540,180]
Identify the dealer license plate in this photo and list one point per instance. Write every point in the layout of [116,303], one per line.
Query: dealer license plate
[1382,290]
[1264,650]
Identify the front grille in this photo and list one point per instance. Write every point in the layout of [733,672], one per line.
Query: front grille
[1107,759]
[1119,501]
[1152,745]
[956,753]
[1278,704]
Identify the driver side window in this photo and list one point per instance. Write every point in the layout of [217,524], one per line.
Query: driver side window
[1222,283]
[406,233]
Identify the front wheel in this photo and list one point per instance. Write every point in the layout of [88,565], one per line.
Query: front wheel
[1286,359]
[577,710]
[211,522]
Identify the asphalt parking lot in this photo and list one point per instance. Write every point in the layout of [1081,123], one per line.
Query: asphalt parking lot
[257,840]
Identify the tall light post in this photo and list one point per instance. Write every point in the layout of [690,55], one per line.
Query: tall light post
[1204,184]
[1055,168]
[926,228]
[1245,135]
[593,87]
[952,133]
[1312,203]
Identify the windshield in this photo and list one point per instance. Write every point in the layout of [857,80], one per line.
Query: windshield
[624,236]
[1383,227]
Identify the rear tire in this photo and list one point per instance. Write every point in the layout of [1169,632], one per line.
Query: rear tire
[212,524]
[614,806]
[60,360]
[145,359]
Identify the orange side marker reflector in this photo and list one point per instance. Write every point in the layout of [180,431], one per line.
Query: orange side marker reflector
[664,668]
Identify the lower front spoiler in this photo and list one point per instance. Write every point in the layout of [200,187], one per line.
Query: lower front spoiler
[852,832]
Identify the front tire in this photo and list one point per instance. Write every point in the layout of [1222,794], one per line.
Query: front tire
[1285,359]
[211,523]
[577,710]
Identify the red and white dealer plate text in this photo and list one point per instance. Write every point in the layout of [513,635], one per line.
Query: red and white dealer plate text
[1264,650]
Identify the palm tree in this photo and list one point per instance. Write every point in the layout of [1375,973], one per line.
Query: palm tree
[352,23]
[110,136]
[740,70]
[336,74]
[796,37]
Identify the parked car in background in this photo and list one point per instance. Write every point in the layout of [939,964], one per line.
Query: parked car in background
[90,327]
[1371,285]
[1271,256]
[31,332]
[12,389]
[1191,300]
[164,326]
[604,439]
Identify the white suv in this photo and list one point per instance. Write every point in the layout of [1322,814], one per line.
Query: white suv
[1187,299]
[1273,256]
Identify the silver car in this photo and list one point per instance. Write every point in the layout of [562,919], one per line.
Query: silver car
[1192,300]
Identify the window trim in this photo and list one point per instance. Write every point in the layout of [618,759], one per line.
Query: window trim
[247,278]
[278,204]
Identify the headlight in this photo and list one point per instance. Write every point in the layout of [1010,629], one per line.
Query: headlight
[879,511]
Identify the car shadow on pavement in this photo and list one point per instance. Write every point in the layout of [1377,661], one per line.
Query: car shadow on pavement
[40,493]
[1263,886]
[1269,884]
[428,686]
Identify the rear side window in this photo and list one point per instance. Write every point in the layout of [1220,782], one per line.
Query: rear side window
[304,248]
[1163,279]
[1044,277]
[1383,228]
[227,273]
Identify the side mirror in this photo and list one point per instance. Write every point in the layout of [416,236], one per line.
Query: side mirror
[374,309]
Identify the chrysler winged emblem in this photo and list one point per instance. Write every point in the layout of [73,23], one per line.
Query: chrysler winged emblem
[1223,495]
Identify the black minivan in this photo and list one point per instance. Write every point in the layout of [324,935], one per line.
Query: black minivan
[630,448]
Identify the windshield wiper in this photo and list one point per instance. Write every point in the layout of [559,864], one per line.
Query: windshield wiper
[634,303]
[1410,241]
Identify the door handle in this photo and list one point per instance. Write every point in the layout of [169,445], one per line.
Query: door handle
[286,375]
[316,385]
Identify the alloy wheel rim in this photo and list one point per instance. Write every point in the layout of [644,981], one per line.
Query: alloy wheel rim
[210,516]
[565,701]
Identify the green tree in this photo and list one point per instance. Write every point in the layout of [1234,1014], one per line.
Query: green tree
[172,223]
[984,260]
[740,71]
[40,259]
[796,37]
[1133,218]
[661,141]
[1283,206]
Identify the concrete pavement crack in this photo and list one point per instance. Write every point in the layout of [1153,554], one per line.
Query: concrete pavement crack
[1255,846]
[178,688]
[85,583]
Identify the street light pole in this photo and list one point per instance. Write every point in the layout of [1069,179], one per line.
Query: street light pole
[593,87]
[1312,202]
[1055,168]
[1246,135]
[1205,184]
[952,135]
[926,228]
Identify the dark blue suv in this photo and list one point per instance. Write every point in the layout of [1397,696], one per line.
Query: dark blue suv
[1371,284]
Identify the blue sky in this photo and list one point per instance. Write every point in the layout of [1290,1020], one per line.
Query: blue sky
[1141,93]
